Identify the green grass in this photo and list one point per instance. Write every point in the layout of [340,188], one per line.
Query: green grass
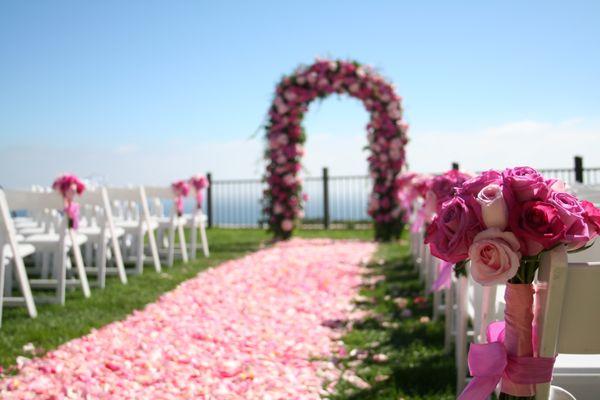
[417,367]
[57,324]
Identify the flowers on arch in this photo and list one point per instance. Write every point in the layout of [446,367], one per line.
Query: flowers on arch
[285,138]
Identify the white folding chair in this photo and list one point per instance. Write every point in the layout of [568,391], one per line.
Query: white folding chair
[168,223]
[479,305]
[56,241]
[569,324]
[12,253]
[134,217]
[99,227]
[197,223]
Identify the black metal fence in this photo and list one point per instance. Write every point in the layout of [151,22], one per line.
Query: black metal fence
[333,201]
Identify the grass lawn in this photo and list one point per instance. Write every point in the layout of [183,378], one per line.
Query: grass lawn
[413,365]
[57,324]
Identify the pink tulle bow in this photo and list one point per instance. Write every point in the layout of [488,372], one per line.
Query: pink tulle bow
[444,278]
[489,362]
[72,212]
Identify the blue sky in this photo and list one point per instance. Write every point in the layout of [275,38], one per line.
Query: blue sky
[150,90]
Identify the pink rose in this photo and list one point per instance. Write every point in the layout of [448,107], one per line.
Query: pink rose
[572,214]
[494,257]
[287,225]
[474,185]
[591,215]
[452,231]
[494,212]
[538,225]
[522,184]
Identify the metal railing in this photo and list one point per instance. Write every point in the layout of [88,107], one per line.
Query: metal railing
[333,201]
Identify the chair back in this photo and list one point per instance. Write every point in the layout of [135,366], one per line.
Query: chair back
[567,301]
[34,201]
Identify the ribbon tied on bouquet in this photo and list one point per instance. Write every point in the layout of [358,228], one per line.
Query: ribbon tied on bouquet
[489,362]
[199,182]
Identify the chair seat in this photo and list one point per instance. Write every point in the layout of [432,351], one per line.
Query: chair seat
[134,226]
[51,239]
[93,232]
[26,223]
[577,364]
[34,230]
[24,249]
[165,222]
[191,218]
[579,374]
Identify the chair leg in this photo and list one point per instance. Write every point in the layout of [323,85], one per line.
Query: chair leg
[449,318]
[171,248]
[139,260]
[182,243]
[2,268]
[204,239]
[101,262]
[461,334]
[193,241]
[24,285]
[80,265]
[60,272]
[154,249]
[437,302]
[7,288]
[118,257]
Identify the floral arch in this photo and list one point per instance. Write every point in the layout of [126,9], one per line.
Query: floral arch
[285,136]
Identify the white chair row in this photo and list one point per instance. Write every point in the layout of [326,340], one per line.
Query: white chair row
[113,228]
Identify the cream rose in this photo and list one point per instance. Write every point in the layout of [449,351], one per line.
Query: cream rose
[495,256]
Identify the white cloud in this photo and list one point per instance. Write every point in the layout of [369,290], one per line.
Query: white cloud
[534,143]
[539,144]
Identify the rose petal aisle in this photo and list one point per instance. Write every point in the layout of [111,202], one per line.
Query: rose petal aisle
[253,328]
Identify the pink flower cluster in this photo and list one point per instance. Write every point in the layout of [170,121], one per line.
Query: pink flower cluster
[199,182]
[285,136]
[434,190]
[497,217]
[69,186]
[180,189]
[253,328]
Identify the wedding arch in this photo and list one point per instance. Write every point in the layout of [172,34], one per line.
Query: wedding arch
[386,132]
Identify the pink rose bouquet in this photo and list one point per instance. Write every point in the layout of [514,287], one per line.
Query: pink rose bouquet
[180,189]
[502,222]
[199,182]
[69,186]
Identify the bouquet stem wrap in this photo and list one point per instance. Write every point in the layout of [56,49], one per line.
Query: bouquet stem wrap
[518,315]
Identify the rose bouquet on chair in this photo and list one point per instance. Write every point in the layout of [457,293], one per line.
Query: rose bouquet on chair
[180,189]
[69,186]
[503,222]
[199,182]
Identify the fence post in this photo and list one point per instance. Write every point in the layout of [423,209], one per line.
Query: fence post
[209,209]
[326,197]
[455,166]
[579,169]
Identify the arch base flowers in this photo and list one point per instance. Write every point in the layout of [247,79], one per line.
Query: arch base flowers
[386,133]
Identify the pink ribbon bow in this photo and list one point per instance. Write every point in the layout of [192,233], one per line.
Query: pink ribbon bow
[489,362]
[444,278]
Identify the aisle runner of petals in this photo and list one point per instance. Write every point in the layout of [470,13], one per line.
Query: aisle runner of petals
[252,328]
